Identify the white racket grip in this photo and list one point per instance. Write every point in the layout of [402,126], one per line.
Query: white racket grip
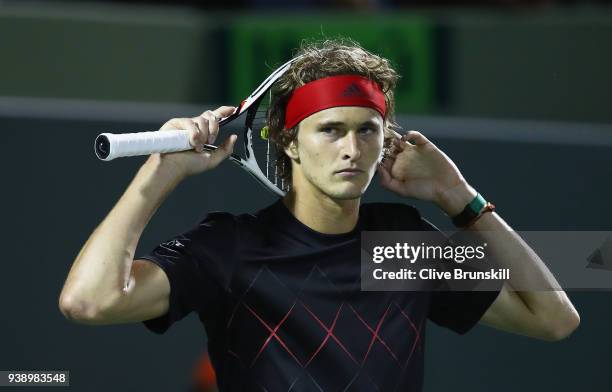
[109,146]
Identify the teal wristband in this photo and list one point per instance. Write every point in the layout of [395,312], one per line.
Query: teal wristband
[471,211]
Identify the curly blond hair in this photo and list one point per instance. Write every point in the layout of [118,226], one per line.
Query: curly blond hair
[317,60]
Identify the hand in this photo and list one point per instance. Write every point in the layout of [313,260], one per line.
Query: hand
[202,130]
[417,168]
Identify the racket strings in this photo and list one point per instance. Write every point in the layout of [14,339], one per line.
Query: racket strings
[264,149]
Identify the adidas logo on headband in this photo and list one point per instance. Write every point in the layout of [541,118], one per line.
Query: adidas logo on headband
[353,90]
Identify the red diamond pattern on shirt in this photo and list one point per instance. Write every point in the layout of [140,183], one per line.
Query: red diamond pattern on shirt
[305,331]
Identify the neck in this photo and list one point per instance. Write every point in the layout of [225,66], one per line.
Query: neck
[322,213]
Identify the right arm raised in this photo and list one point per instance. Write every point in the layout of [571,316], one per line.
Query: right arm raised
[105,284]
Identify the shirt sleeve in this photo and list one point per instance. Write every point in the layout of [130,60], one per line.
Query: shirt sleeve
[196,263]
[458,310]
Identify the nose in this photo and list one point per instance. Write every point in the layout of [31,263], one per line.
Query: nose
[350,146]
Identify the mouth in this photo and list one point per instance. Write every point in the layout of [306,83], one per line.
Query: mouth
[349,172]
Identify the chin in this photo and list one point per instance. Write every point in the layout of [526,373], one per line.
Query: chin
[341,190]
[348,190]
[346,193]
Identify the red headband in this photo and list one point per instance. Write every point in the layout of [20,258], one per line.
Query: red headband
[333,91]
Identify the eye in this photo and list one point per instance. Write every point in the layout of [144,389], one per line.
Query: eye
[328,130]
[366,130]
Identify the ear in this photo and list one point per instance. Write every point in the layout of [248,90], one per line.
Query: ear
[292,151]
[386,144]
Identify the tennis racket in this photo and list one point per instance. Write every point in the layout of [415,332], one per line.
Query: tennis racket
[259,158]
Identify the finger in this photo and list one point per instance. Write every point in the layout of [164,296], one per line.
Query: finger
[397,146]
[171,125]
[203,128]
[214,117]
[197,137]
[392,133]
[224,111]
[387,180]
[388,162]
[212,121]
[394,148]
[223,151]
[415,137]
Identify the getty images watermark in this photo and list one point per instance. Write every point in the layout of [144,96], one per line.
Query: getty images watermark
[465,261]
[423,253]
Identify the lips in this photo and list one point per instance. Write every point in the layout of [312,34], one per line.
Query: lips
[349,171]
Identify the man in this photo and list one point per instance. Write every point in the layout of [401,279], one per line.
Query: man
[278,291]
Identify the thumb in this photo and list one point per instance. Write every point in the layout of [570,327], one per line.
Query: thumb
[223,151]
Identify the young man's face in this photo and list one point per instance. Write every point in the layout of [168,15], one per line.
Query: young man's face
[337,151]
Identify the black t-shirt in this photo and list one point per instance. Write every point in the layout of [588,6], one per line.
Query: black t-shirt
[283,309]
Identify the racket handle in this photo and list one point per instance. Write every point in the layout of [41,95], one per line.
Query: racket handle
[109,146]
